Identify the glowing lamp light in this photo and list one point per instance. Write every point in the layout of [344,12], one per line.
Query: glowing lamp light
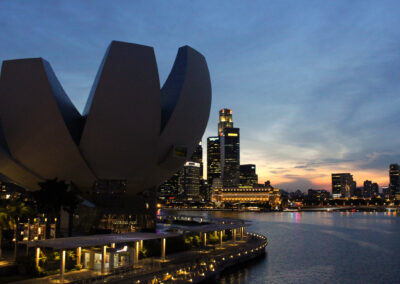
[125,248]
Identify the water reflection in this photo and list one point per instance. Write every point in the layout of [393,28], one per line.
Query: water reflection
[321,247]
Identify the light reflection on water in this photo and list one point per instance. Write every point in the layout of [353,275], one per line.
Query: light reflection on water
[320,247]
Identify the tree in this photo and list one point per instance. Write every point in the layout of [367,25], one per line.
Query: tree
[10,214]
[54,195]
[5,223]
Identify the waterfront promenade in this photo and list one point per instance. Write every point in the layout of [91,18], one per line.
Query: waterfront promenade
[193,265]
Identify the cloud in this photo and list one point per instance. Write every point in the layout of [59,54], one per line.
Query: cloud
[295,183]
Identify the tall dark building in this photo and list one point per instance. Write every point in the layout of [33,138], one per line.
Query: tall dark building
[367,191]
[225,120]
[394,177]
[197,157]
[213,159]
[375,189]
[191,180]
[343,185]
[205,190]
[230,157]
[248,175]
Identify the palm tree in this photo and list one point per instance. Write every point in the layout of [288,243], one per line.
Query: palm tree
[16,211]
[54,195]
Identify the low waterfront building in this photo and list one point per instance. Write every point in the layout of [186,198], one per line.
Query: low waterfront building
[246,194]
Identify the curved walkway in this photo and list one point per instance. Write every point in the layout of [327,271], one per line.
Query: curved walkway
[184,267]
[193,266]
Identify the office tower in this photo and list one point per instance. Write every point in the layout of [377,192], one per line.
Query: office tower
[213,159]
[191,181]
[367,191]
[230,157]
[342,185]
[225,120]
[172,187]
[197,157]
[248,175]
[385,192]
[394,186]
[205,190]
[375,189]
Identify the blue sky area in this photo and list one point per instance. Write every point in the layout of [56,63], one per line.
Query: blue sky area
[314,85]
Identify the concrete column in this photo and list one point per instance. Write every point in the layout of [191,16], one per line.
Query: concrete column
[62,265]
[204,239]
[220,239]
[91,259]
[37,257]
[103,259]
[163,244]
[234,235]
[111,263]
[78,255]
[131,256]
[136,254]
[141,244]
[241,233]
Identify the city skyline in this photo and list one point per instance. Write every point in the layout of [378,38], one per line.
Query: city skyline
[313,92]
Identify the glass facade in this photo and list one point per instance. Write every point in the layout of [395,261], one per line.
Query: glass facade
[230,157]
[343,185]
[248,175]
[225,120]
[394,176]
[213,159]
[191,180]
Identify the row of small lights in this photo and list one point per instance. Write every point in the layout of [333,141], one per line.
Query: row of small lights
[211,265]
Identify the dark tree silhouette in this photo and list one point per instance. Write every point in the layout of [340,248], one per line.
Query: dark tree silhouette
[54,195]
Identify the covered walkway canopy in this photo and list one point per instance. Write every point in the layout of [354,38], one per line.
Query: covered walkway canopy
[209,228]
[97,240]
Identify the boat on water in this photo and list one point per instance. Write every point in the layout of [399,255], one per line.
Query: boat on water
[253,208]
[291,210]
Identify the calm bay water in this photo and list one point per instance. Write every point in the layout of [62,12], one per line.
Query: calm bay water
[316,247]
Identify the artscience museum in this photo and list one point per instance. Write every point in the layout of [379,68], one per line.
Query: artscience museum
[131,131]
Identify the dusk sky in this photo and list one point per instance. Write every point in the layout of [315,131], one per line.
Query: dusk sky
[314,85]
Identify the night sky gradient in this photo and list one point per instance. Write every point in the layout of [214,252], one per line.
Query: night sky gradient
[314,85]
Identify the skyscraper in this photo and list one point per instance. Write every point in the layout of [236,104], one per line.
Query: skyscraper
[225,120]
[342,185]
[197,157]
[248,175]
[191,180]
[172,187]
[213,159]
[367,192]
[394,177]
[230,157]
[375,189]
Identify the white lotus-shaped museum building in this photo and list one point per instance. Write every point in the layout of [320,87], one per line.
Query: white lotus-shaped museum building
[130,129]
